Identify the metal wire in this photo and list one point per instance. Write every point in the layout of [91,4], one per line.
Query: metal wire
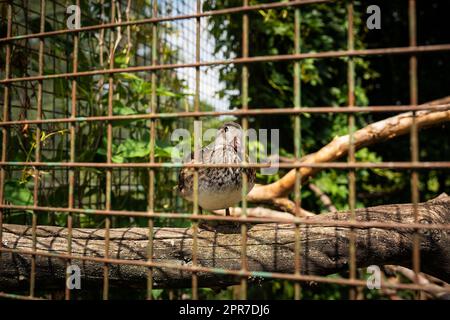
[243,219]
[151,196]
[414,136]
[72,129]
[245,99]
[236,113]
[197,147]
[5,117]
[351,150]
[38,147]
[297,151]
[239,61]
[109,137]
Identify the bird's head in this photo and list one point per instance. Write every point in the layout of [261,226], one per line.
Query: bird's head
[230,133]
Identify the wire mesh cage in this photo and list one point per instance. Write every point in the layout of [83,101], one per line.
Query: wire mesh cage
[87,178]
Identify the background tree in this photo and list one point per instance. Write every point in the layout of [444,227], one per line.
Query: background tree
[378,81]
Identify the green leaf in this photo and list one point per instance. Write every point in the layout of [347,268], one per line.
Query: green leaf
[165,152]
[121,59]
[161,91]
[157,293]
[117,159]
[120,109]
[130,76]
[133,149]
[18,194]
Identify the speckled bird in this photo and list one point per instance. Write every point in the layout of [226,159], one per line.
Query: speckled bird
[218,188]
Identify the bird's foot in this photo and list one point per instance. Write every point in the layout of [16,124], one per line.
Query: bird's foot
[220,226]
[207,225]
[223,226]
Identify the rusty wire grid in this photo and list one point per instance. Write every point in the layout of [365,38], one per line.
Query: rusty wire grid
[47,112]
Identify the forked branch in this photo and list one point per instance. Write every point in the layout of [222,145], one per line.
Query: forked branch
[374,133]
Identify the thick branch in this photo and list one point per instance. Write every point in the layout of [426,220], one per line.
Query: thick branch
[270,248]
[376,132]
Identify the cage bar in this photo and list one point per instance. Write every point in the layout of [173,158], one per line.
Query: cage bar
[236,113]
[238,61]
[351,151]
[297,146]
[5,117]
[109,138]
[151,196]
[245,98]
[414,135]
[72,128]
[197,147]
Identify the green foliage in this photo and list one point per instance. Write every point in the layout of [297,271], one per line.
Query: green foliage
[131,138]
[18,193]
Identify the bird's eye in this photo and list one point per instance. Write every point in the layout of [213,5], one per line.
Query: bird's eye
[225,129]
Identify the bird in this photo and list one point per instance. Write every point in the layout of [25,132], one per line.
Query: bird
[218,188]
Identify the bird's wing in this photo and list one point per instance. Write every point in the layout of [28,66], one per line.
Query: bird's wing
[186,175]
[186,181]
[209,154]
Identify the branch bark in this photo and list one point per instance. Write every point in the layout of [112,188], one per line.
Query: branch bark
[376,132]
[270,248]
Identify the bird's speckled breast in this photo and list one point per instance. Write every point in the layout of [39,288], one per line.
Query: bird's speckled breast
[218,188]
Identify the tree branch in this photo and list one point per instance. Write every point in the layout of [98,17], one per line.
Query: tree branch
[261,212]
[437,292]
[376,132]
[270,248]
[326,201]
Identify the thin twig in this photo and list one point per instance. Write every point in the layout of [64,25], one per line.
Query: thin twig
[325,199]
